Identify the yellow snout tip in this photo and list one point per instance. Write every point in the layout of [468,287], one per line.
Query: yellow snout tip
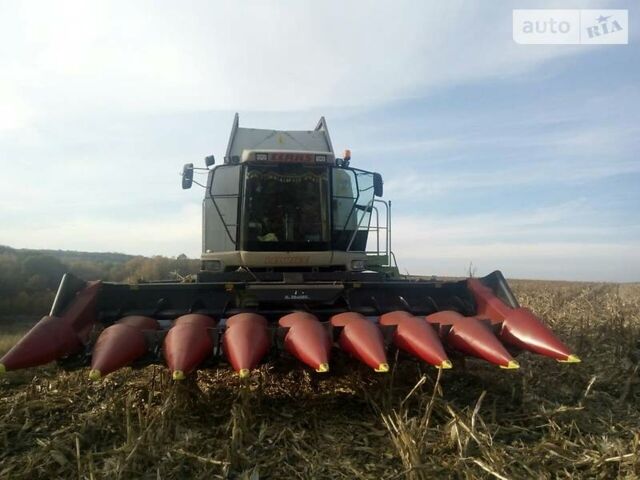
[3,369]
[511,365]
[95,375]
[446,364]
[244,373]
[324,367]
[178,375]
[571,359]
[382,368]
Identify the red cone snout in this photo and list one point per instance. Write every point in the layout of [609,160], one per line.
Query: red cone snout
[188,343]
[520,327]
[120,344]
[50,339]
[307,340]
[470,336]
[362,339]
[416,337]
[56,337]
[246,341]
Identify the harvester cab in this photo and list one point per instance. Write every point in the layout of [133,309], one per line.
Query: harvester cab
[283,201]
[296,261]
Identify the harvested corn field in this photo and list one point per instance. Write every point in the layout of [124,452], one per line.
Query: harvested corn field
[545,420]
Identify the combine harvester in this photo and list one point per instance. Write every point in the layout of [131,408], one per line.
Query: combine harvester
[285,271]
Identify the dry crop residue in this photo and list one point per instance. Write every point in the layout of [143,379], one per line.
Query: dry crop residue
[545,420]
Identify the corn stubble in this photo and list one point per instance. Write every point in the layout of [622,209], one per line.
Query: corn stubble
[475,421]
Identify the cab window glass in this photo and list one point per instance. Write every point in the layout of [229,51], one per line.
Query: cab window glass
[224,193]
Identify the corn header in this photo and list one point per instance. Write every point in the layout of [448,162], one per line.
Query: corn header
[296,261]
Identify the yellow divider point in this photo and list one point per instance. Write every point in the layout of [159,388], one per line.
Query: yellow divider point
[571,359]
[511,365]
[445,364]
[383,367]
[324,367]
[95,375]
[178,375]
[244,373]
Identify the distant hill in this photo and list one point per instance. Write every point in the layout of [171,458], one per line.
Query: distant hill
[70,255]
[29,278]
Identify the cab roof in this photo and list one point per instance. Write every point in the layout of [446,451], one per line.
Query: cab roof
[315,141]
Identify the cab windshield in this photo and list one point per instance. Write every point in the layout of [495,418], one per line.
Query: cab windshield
[286,208]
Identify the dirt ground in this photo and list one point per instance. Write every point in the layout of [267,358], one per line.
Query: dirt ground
[545,420]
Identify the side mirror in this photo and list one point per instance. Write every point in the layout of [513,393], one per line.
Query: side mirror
[377,185]
[187,176]
[209,160]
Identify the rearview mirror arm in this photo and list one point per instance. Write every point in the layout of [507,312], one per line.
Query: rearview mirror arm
[195,181]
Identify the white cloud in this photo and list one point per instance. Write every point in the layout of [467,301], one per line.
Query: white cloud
[136,56]
[563,156]
[413,184]
[14,110]
[558,242]
[613,262]
[167,234]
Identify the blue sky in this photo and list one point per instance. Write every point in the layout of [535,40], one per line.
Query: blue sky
[517,157]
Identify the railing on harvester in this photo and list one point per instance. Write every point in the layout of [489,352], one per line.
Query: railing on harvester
[382,256]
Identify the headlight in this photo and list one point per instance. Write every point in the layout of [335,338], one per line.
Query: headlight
[357,265]
[212,265]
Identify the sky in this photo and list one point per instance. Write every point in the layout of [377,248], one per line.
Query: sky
[523,158]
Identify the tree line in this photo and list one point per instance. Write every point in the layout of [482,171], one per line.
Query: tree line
[29,278]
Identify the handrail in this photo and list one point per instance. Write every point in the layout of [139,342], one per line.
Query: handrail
[388,254]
